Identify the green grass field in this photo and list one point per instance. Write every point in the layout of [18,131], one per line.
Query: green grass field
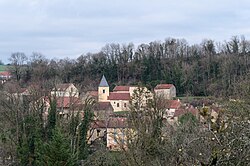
[4,68]
[192,98]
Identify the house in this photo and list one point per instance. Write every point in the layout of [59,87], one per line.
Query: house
[102,110]
[4,76]
[113,132]
[65,90]
[125,89]
[167,91]
[173,105]
[98,131]
[119,101]
[182,111]
[65,106]
[117,131]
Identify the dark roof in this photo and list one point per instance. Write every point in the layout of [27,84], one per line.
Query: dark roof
[66,102]
[103,106]
[103,82]
[62,86]
[164,86]
[121,88]
[111,123]
[119,96]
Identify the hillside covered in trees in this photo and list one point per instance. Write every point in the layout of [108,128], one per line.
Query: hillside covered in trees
[206,69]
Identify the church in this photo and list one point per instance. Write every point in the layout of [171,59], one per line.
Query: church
[121,95]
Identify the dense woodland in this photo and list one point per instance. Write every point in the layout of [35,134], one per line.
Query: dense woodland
[206,69]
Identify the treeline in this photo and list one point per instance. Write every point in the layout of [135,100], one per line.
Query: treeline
[208,68]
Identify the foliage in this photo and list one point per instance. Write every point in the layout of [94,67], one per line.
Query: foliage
[57,151]
[105,158]
[84,127]
[188,118]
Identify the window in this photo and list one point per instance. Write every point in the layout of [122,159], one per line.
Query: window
[117,104]
[98,132]
[125,104]
[103,91]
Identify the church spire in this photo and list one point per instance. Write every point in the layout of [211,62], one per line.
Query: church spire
[103,82]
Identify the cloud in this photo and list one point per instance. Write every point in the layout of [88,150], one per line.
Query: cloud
[71,27]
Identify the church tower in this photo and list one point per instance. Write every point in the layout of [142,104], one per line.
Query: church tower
[103,90]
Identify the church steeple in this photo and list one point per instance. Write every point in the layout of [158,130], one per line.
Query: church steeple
[103,82]
[103,90]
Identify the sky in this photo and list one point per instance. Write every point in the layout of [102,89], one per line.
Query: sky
[70,28]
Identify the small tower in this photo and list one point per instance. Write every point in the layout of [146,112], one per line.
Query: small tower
[103,90]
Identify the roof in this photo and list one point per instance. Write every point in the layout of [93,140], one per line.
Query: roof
[121,88]
[5,73]
[164,86]
[103,106]
[174,104]
[119,96]
[103,82]
[180,112]
[66,102]
[63,86]
[111,123]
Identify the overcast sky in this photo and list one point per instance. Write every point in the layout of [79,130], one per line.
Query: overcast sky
[69,28]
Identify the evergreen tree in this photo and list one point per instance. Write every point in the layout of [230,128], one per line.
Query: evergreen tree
[51,118]
[57,151]
[30,146]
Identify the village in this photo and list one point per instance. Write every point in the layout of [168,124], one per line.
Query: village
[111,109]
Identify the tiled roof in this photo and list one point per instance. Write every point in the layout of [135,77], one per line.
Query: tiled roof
[103,82]
[164,86]
[174,104]
[121,88]
[66,102]
[111,123]
[5,74]
[119,96]
[180,112]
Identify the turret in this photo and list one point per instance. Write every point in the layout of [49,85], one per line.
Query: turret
[103,90]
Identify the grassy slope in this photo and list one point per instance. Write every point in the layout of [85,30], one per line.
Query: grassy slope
[4,68]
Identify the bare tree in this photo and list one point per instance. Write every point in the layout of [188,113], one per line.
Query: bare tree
[18,59]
